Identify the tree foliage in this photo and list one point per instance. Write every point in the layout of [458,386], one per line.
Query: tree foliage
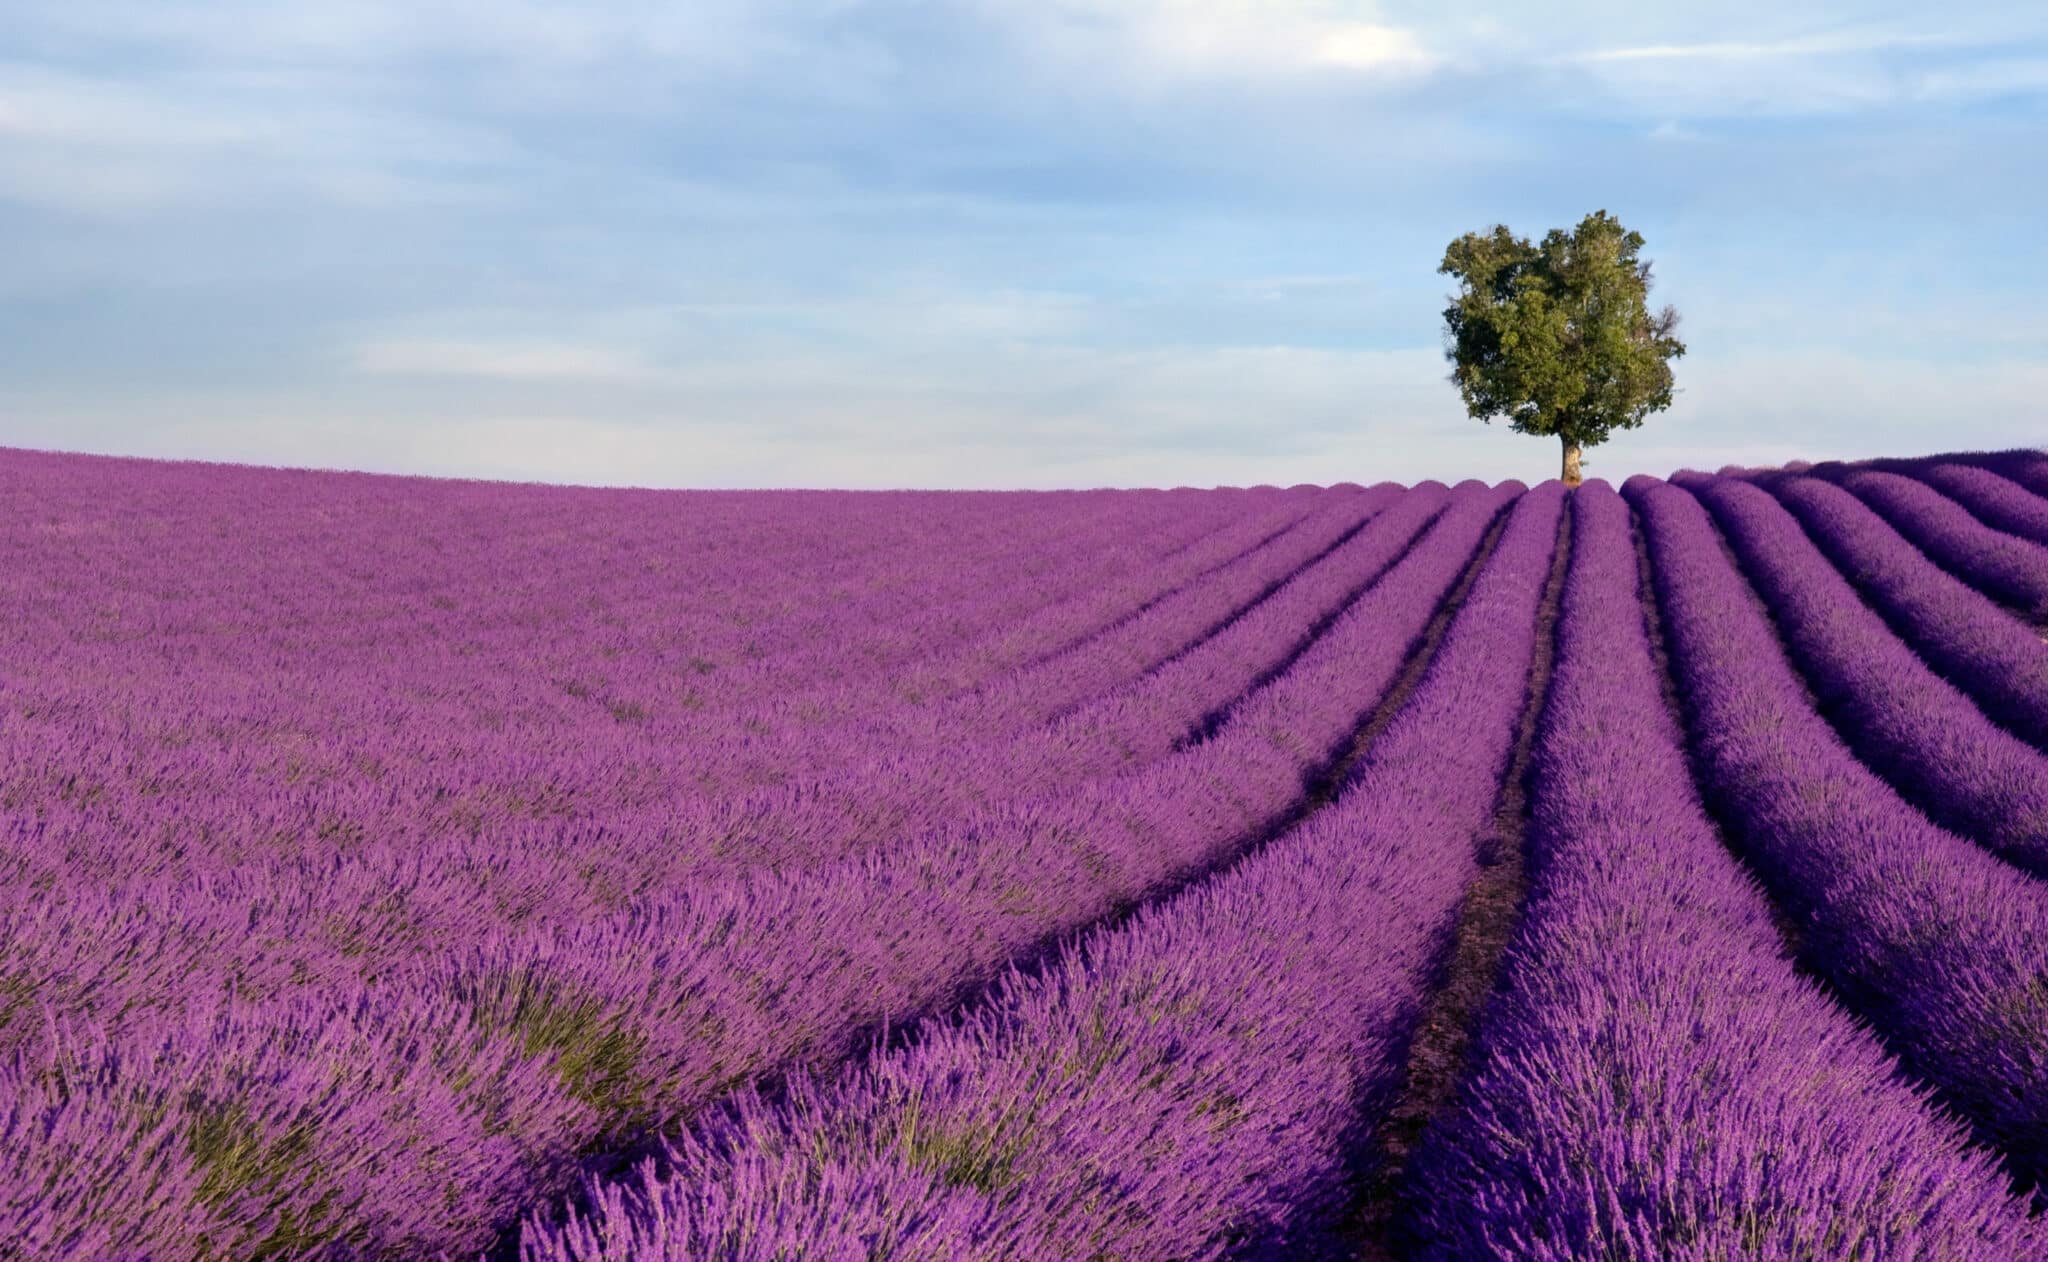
[1558,337]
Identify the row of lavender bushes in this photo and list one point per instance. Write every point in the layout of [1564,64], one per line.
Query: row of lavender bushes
[1940,945]
[420,1106]
[1975,644]
[1192,1084]
[2009,568]
[455,684]
[1123,728]
[1608,1113]
[1926,737]
[250,1043]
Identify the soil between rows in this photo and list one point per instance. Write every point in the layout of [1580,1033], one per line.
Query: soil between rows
[1439,1051]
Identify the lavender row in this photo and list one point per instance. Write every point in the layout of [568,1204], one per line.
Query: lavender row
[375,762]
[461,1085]
[2027,468]
[1053,687]
[1074,589]
[895,777]
[2006,568]
[1079,586]
[907,794]
[1997,501]
[271,653]
[197,904]
[119,677]
[1191,1083]
[1913,727]
[1051,557]
[817,822]
[559,863]
[1167,707]
[1096,605]
[1943,948]
[1655,1079]
[882,624]
[1971,641]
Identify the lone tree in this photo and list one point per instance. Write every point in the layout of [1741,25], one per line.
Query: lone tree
[1559,337]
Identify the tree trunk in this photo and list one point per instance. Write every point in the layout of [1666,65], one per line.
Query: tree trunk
[1571,463]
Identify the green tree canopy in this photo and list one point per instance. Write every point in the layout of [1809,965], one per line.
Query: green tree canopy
[1558,337]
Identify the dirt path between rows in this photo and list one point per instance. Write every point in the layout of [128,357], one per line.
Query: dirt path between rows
[1439,1053]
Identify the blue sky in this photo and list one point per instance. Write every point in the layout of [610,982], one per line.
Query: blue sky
[992,242]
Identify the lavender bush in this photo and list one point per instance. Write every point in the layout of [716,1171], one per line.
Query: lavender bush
[1925,736]
[1996,501]
[1970,640]
[2005,567]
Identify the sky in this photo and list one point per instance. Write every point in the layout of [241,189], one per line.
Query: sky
[994,243]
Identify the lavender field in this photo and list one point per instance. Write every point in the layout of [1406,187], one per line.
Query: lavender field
[400,868]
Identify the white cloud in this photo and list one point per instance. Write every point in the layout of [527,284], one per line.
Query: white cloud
[508,360]
[1832,43]
[1361,46]
[1167,40]
[1996,77]
[43,105]
[330,33]
[105,145]
[1839,69]
[1819,403]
